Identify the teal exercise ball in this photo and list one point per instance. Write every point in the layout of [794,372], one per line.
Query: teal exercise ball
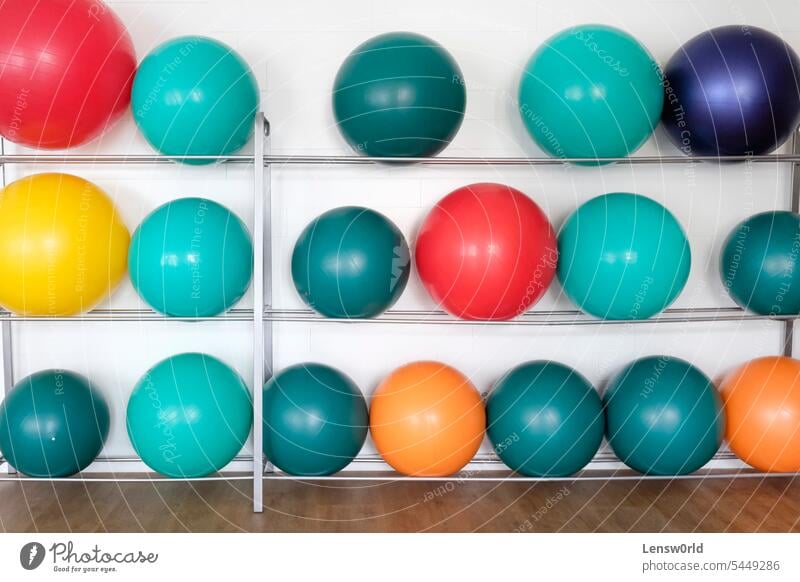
[315,420]
[399,94]
[544,420]
[663,416]
[622,256]
[191,257]
[195,96]
[759,263]
[591,91]
[351,262]
[53,424]
[189,415]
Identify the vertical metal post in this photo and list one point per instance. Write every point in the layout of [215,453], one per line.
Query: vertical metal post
[5,334]
[8,367]
[261,250]
[268,326]
[788,325]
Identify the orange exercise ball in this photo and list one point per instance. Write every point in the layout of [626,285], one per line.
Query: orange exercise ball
[427,419]
[762,406]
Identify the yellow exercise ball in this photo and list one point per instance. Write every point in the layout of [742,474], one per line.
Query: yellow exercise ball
[63,245]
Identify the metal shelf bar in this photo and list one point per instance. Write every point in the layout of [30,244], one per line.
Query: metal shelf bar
[550,317]
[536,318]
[501,474]
[328,160]
[287,160]
[510,477]
[116,159]
[540,317]
[119,315]
[117,479]
[389,477]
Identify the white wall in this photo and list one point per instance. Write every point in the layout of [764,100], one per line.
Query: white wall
[295,48]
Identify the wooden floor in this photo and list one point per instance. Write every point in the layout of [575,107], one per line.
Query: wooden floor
[707,505]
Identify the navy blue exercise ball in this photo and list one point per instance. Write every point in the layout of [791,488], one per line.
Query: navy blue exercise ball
[732,91]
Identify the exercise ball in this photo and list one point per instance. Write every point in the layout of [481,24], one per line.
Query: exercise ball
[664,416]
[762,405]
[315,420]
[189,415]
[399,94]
[350,262]
[731,91]
[191,257]
[759,266]
[486,251]
[66,69]
[427,420]
[622,256]
[52,424]
[591,91]
[63,245]
[195,96]
[544,420]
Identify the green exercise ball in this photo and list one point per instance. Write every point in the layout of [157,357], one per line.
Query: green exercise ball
[53,424]
[315,420]
[663,416]
[622,256]
[591,91]
[759,263]
[191,257]
[351,262]
[399,94]
[195,96]
[189,415]
[544,420]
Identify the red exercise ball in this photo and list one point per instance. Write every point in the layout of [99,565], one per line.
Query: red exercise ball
[486,252]
[66,70]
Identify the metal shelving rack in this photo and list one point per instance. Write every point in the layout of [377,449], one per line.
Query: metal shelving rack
[264,315]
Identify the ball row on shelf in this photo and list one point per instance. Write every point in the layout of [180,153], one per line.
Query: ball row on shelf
[190,415]
[484,252]
[591,91]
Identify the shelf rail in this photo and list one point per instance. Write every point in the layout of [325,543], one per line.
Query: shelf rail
[275,160]
[124,315]
[564,317]
[492,471]
[531,318]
